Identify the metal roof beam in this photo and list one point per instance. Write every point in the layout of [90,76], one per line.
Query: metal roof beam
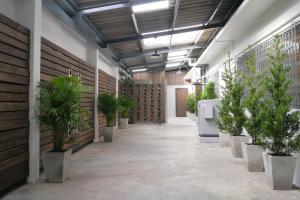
[167,32]
[159,51]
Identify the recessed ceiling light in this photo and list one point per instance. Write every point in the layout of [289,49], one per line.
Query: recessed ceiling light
[147,7]
[139,70]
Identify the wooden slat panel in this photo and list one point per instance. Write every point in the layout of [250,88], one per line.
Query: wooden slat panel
[14,81]
[55,62]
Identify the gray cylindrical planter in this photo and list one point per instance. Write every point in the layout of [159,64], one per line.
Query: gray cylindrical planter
[123,123]
[236,145]
[56,165]
[109,133]
[252,155]
[297,172]
[224,139]
[279,171]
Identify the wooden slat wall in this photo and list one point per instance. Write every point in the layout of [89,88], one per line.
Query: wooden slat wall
[153,77]
[172,78]
[149,101]
[55,61]
[106,83]
[14,117]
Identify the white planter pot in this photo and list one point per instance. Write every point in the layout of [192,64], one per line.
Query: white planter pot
[123,123]
[109,133]
[224,139]
[253,159]
[279,171]
[56,165]
[297,172]
[236,145]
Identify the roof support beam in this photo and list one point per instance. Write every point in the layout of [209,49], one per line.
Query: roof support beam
[167,32]
[159,51]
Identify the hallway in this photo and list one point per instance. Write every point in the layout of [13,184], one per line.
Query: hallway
[155,162]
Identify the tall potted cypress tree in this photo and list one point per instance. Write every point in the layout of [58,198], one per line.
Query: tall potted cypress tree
[231,114]
[224,117]
[252,152]
[280,125]
[60,111]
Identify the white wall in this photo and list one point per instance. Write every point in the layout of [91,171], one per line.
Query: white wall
[7,8]
[171,98]
[275,14]
[56,31]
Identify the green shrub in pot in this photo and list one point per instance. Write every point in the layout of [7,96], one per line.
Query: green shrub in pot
[125,106]
[107,104]
[209,91]
[280,125]
[60,110]
[191,103]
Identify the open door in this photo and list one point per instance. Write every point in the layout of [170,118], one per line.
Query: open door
[181,94]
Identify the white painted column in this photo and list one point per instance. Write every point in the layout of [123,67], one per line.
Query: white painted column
[96,124]
[28,13]
[117,92]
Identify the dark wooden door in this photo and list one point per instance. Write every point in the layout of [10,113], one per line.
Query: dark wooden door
[181,94]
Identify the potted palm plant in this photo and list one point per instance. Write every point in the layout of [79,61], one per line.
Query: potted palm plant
[280,125]
[107,104]
[61,112]
[252,152]
[125,105]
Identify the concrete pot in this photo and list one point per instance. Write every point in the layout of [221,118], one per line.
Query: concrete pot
[236,145]
[109,133]
[253,159]
[279,171]
[56,165]
[224,139]
[297,172]
[123,123]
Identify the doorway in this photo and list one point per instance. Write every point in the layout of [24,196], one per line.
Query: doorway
[181,95]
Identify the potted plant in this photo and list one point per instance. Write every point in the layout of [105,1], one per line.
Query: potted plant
[60,111]
[224,116]
[125,105]
[232,110]
[280,125]
[107,104]
[191,106]
[209,91]
[252,152]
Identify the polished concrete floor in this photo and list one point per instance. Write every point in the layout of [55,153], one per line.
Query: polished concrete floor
[155,162]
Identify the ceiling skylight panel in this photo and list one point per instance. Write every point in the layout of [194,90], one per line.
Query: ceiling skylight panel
[184,38]
[148,7]
[158,42]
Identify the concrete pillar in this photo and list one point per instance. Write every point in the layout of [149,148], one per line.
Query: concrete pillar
[96,124]
[116,71]
[28,13]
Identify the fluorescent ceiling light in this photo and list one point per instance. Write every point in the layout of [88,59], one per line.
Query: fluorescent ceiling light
[186,27]
[147,7]
[154,32]
[104,8]
[169,65]
[177,53]
[139,70]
